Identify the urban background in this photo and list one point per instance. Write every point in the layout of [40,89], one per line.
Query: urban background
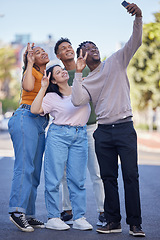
[143,72]
[108,25]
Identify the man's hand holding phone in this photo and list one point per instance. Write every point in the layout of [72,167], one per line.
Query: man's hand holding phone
[132,9]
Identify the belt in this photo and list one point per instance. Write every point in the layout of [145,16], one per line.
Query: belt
[26,106]
[127,119]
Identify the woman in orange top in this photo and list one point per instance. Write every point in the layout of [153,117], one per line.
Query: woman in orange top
[27,132]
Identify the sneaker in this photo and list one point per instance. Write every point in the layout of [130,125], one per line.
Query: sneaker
[82,224]
[21,222]
[56,224]
[136,231]
[67,218]
[101,219]
[110,228]
[35,223]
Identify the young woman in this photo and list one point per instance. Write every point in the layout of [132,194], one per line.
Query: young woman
[27,132]
[66,145]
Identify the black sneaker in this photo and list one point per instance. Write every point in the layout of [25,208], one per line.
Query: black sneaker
[67,218]
[101,219]
[21,222]
[110,228]
[136,231]
[36,223]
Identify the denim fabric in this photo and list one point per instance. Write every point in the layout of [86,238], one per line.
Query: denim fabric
[112,141]
[27,132]
[66,145]
[66,203]
[94,172]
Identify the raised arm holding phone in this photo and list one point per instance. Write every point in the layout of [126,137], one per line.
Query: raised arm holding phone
[107,86]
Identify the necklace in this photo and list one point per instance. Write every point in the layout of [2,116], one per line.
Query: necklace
[38,69]
[41,72]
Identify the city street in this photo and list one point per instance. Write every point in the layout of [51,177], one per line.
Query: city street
[149,170]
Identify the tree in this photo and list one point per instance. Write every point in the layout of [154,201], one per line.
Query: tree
[144,68]
[7,63]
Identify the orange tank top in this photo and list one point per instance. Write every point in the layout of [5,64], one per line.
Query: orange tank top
[28,97]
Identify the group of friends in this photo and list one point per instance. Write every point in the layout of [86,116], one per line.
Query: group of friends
[89,102]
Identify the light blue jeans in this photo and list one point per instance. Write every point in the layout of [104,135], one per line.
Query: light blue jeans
[27,132]
[66,145]
[94,171]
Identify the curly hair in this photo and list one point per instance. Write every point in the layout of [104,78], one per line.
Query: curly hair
[82,45]
[61,40]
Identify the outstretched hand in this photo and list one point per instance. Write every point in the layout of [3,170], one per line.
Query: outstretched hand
[81,62]
[133,9]
[45,80]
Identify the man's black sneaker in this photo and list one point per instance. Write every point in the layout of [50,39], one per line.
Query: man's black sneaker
[101,219]
[67,218]
[36,223]
[21,222]
[136,231]
[111,227]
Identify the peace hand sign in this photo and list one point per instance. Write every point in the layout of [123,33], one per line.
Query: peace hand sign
[45,80]
[24,55]
[30,56]
[81,62]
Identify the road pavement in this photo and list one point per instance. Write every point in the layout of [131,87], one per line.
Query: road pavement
[149,170]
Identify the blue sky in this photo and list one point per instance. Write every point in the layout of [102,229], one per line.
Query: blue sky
[104,22]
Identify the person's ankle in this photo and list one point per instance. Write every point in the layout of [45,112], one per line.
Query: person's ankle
[17,214]
[101,213]
[69,212]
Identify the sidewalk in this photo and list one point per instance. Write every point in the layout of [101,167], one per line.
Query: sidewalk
[149,141]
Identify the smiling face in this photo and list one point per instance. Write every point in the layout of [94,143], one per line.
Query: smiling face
[93,53]
[60,75]
[65,51]
[41,57]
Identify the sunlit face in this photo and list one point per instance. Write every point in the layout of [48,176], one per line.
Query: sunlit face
[65,51]
[93,52]
[41,57]
[60,75]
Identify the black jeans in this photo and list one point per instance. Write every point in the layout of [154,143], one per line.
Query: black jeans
[112,141]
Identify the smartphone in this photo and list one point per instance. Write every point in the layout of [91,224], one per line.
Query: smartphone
[124,4]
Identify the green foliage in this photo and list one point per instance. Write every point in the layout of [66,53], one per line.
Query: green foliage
[144,68]
[9,86]
[7,61]
[9,104]
[142,127]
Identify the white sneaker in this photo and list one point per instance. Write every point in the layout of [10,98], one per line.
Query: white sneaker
[82,224]
[56,224]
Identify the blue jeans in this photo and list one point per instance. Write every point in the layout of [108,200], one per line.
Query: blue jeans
[94,171]
[66,145]
[27,132]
